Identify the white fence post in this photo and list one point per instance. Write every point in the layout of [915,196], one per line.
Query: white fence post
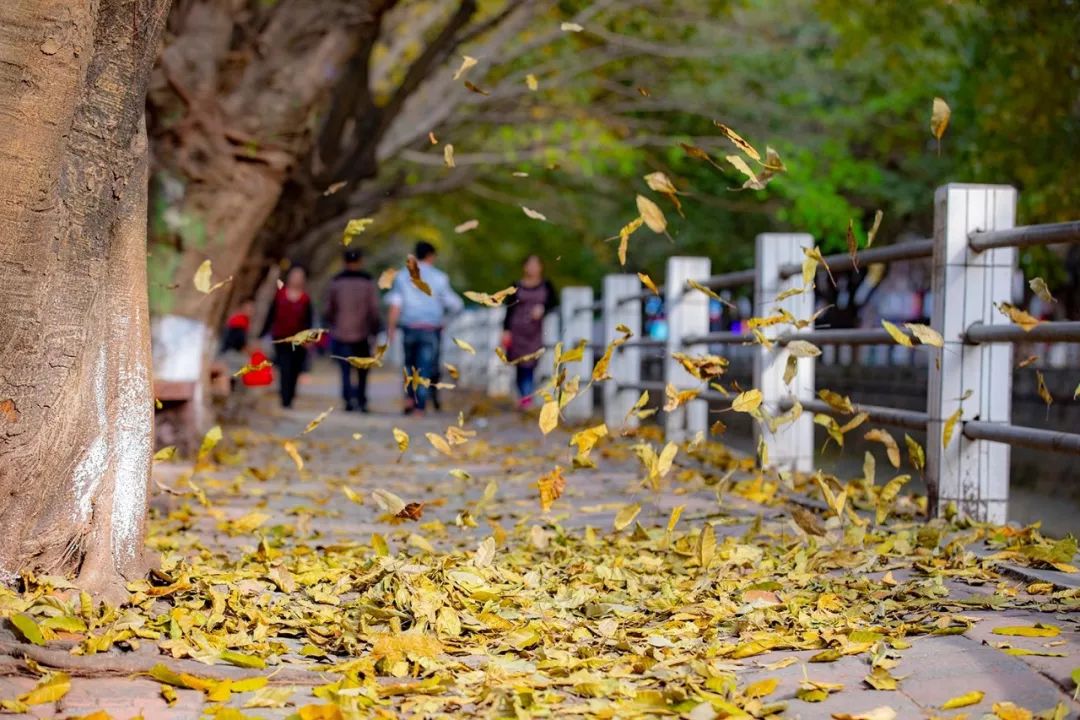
[625,364]
[499,375]
[687,314]
[965,284]
[577,325]
[552,332]
[791,446]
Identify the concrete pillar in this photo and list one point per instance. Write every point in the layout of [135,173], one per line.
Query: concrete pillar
[974,474]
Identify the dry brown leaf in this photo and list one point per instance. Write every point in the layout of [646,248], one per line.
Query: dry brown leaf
[892,450]
[413,266]
[738,141]
[1018,316]
[939,119]
[551,486]
[652,215]
[1039,287]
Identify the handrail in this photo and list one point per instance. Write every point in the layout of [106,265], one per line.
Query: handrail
[730,280]
[840,336]
[717,338]
[886,253]
[643,295]
[1062,442]
[1025,236]
[1057,331]
[897,417]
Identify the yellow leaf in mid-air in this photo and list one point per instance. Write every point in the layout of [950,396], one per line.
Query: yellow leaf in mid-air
[735,138]
[897,334]
[290,449]
[439,443]
[209,442]
[402,439]
[852,244]
[892,450]
[586,439]
[1044,392]
[531,82]
[165,454]
[939,118]
[752,181]
[386,278]
[248,368]
[803,349]
[304,337]
[661,183]
[466,63]
[467,226]
[651,214]
[624,237]
[533,214]
[353,228]
[872,233]
[1040,288]
[969,698]
[388,501]
[493,300]
[448,155]
[50,689]
[747,401]
[465,346]
[318,420]
[571,27]
[352,495]
[950,425]
[887,495]
[666,459]
[1019,317]
[549,416]
[551,486]
[648,282]
[202,277]
[926,334]
[413,266]
[706,546]
[626,515]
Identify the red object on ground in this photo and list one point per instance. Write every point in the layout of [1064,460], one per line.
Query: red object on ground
[258,378]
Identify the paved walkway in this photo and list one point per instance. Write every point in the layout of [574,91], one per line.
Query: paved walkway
[488,606]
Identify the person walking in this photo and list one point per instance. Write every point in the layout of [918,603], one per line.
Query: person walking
[352,314]
[523,327]
[421,317]
[290,313]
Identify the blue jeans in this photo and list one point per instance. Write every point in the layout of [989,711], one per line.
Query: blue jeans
[525,382]
[421,352]
[355,396]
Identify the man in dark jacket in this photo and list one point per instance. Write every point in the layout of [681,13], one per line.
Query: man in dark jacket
[352,313]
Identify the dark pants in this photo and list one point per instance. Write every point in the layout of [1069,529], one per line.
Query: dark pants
[525,382]
[353,395]
[421,352]
[290,362]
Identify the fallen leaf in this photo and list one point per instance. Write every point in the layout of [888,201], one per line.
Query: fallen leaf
[411,511]
[49,690]
[706,546]
[1036,630]
[388,501]
[571,27]
[448,155]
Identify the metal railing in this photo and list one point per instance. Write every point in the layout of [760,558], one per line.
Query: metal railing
[973,254]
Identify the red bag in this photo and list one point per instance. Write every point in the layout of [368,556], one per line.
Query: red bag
[265,376]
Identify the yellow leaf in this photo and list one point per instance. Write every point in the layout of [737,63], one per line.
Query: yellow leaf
[352,495]
[202,277]
[318,420]
[402,439]
[50,689]
[439,443]
[761,688]
[243,660]
[950,425]
[1018,316]
[892,450]
[493,300]
[897,334]
[667,457]
[551,486]
[386,278]
[1037,630]
[879,713]
[353,228]
[586,439]
[926,334]
[571,27]
[1044,392]
[673,519]
[531,82]
[290,449]
[874,228]
[972,697]
[852,244]
[549,416]
[388,501]
[706,546]
[165,453]
[413,266]
[320,712]
[1039,287]
[209,441]
[648,282]
[752,181]
[1010,711]
[915,453]
[939,118]
[533,214]
[803,349]
[738,141]
[626,515]
[467,226]
[465,346]
[887,495]
[651,214]
[747,401]
[448,155]
[880,679]
[466,63]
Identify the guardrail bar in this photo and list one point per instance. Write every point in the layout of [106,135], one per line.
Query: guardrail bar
[1025,236]
[1061,442]
[1056,331]
[886,253]
[730,280]
[841,336]
[638,297]
[907,419]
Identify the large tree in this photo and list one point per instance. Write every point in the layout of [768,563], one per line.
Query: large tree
[75,402]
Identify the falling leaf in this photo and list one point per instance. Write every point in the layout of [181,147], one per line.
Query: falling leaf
[752,181]
[969,698]
[661,183]
[247,369]
[402,439]
[549,416]
[747,401]
[950,425]
[1039,287]
[439,443]
[926,334]
[803,349]
[318,420]
[551,486]
[648,282]
[493,300]
[1029,360]
[939,119]
[699,154]
[202,277]
[165,454]
[738,141]
[466,63]
[892,450]
[448,155]
[334,187]
[353,228]
[887,495]
[807,521]
[413,266]
[365,363]
[897,334]
[652,215]
[304,337]
[571,27]
[624,237]
[706,546]
[386,278]
[1018,316]
[388,501]
[209,442]
[626,515]
[412,511]
[465,346]
[473,88]
[530,213]
[852,244]
[1043,391]
[531,82]
[872,234]
[467,226]
[915,453]
[290,450]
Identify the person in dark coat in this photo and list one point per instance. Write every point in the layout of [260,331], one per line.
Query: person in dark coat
[523,328]
[352,314]
[290,313]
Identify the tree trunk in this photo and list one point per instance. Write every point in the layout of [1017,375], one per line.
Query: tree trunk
[76,410]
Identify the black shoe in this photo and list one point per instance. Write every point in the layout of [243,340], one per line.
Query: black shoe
[363,408]
[349,407]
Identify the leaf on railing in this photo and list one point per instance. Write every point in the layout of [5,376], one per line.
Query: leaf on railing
[892,450]
[1018,316]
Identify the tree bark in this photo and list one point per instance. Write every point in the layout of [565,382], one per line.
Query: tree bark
[76,410]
